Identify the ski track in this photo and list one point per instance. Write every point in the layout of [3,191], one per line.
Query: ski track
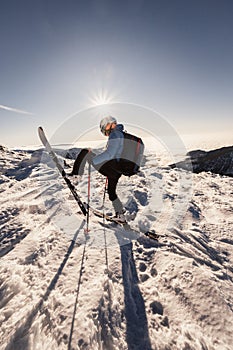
[63,289]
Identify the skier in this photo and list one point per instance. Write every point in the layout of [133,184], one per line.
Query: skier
[108,163]
[130,160]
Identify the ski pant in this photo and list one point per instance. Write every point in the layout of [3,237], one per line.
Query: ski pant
[110,169]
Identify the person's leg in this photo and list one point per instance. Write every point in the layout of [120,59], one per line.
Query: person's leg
[112,184]
[80,162]
[110,170]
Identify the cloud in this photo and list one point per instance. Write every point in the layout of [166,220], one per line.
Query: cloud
[6,108]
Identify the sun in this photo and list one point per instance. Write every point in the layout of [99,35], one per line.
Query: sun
[102,97]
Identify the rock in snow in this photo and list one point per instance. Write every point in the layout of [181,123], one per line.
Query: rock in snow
[219,161]
[61,288]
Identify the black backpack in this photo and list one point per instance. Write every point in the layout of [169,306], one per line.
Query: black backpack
[132,154]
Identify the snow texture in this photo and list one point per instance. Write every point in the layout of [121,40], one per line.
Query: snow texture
[63,288]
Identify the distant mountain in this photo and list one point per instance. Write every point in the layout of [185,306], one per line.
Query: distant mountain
[218,161]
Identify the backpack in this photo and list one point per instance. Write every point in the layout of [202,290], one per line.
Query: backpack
[132,154]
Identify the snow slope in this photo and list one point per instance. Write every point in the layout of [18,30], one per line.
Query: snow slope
[63,289]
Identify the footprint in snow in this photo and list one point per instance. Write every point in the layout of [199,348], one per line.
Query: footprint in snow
[142,267]
[131,206]
[156,307]
[144,277]
[141,197]
[157,175]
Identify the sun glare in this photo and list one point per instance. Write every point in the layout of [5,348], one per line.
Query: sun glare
[101,98]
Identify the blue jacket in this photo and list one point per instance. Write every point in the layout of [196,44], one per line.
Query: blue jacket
[114,147]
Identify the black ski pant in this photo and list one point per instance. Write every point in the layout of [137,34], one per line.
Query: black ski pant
[110,169]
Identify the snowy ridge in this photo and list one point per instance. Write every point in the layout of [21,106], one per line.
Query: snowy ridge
[62,289]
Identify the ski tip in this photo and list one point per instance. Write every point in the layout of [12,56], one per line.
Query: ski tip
[40,128]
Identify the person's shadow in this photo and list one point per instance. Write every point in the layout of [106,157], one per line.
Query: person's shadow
[137,333]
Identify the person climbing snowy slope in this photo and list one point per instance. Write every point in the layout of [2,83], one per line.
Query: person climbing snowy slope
[115,161]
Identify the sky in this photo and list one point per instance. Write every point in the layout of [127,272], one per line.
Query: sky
[61,57]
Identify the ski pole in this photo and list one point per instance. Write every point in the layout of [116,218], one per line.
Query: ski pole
[88,196]
[105,189]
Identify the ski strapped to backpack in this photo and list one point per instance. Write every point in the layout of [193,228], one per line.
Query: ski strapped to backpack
[131,156]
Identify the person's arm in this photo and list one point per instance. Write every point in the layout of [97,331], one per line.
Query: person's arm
[113,150]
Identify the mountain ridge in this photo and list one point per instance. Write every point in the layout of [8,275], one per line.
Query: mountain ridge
[217,161]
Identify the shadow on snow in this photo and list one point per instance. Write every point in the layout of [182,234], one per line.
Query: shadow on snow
[20,339]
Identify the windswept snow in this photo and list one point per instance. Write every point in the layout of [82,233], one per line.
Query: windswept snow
[110,290]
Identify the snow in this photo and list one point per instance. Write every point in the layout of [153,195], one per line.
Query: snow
[62,288]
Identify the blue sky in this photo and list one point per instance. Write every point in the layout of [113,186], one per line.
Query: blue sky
[59,57]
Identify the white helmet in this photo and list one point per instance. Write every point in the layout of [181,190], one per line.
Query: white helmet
[105,121]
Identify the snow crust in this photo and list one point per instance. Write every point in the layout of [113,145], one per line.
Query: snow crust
[61,288]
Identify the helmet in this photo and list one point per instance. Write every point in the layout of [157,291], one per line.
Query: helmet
[105,121]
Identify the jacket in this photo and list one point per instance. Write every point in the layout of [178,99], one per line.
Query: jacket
[114,147]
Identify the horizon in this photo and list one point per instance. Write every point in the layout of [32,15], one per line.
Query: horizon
[191,142]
